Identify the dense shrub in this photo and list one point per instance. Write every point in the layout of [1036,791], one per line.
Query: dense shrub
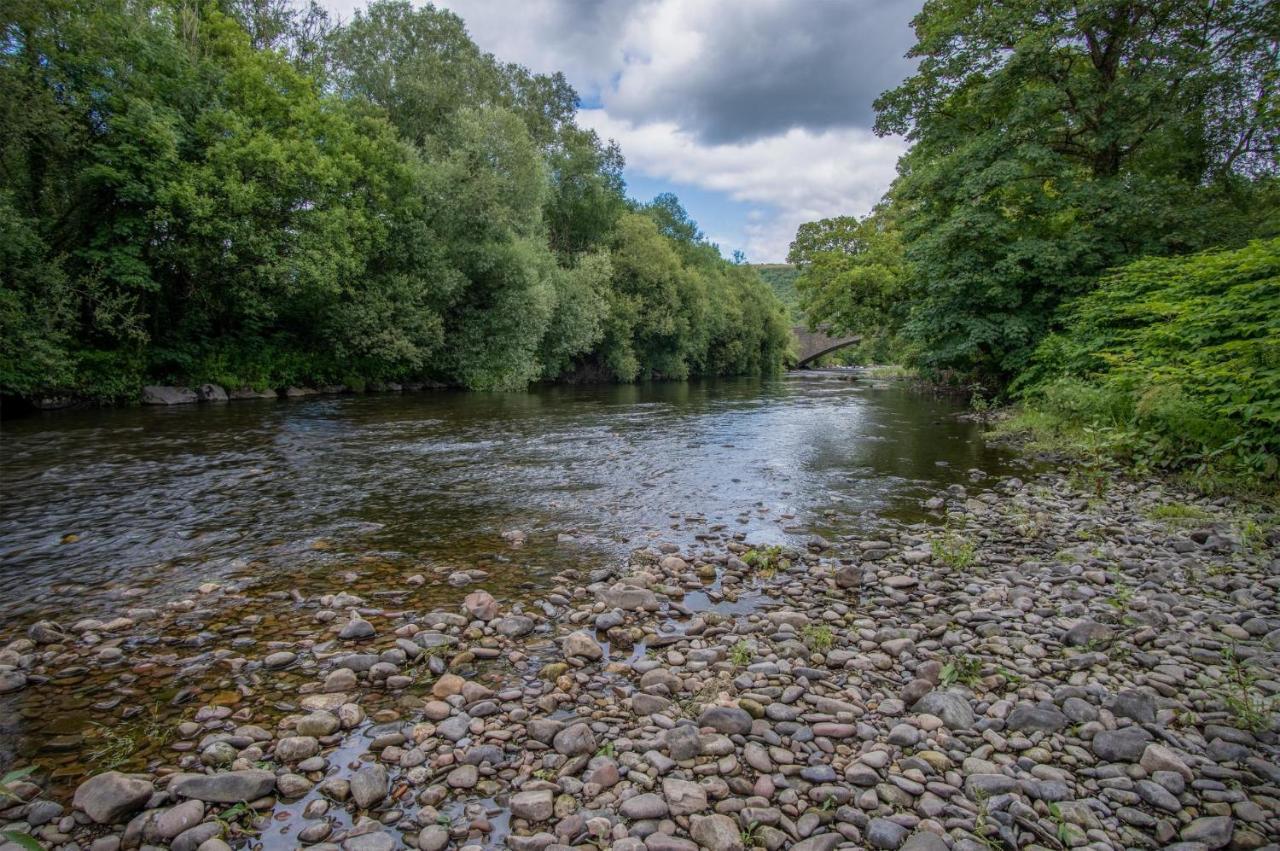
[1176,361]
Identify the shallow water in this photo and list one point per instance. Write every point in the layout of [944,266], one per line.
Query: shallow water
[104,511]
[168,498]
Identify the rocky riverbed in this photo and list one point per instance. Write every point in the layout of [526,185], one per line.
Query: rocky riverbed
[1040,667]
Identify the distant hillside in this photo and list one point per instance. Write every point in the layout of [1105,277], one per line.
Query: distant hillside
[781,277]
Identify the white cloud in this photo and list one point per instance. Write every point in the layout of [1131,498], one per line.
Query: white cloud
[765,101]
[727,70]
[794,177]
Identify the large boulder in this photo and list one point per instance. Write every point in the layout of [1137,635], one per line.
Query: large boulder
[109,797]
[211,393]
[155,394]
[250,393]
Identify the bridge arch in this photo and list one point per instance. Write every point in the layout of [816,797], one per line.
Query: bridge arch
[811,345]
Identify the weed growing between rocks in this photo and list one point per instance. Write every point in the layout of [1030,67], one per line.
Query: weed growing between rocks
[954,550]
[1251,709]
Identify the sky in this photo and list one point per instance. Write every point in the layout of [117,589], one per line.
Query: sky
[756,113]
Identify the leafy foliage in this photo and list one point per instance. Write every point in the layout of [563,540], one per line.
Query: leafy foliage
[1069,164]
[1052,141]
[248,194]
[781,278]
[1178,359]
[851,272]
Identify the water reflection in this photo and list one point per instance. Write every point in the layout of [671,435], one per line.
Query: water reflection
[174,497]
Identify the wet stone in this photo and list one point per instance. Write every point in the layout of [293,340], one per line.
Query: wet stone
[111,796]
[296,748]
[224,788]
[463,777]
[369,786]
[281,659]
[356,629]
[318,724]
[177,819]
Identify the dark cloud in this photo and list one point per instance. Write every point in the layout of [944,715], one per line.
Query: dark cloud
[724,70]
[765,68]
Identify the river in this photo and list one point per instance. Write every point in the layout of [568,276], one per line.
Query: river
[110,510]
[169,498]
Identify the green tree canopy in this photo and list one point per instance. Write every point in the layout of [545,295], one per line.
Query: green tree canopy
[1054,139]
[851,273]
[244,192]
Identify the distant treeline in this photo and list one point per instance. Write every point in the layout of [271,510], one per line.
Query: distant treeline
[1054,146]
[781,278]
[243,193]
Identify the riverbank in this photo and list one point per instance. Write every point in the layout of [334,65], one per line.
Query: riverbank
[1050,668]
[1100,452]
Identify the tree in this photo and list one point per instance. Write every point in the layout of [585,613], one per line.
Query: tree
[1055,139]
[673,220]
[199,192]
[587,194]
[851,273]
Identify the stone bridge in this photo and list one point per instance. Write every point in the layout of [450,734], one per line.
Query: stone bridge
[811,345]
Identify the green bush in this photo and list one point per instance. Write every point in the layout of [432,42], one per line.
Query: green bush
[1176,361]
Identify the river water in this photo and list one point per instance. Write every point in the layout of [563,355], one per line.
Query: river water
[169,498]
[107,511]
